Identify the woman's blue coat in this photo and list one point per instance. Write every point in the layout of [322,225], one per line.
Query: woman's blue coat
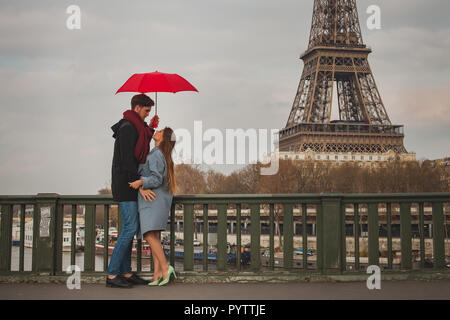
[154,215]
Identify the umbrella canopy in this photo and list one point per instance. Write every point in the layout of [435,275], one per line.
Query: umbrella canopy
[156,82]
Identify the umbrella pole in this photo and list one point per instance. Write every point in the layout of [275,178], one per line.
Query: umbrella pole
[156,103]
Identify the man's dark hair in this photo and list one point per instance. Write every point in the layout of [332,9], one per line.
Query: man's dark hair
[141,100]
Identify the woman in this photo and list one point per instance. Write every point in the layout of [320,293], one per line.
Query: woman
[157,174]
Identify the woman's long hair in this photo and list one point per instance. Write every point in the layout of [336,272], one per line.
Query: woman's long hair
[166,147]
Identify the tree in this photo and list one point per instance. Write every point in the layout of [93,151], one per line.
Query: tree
[190,179]
[105,191]
[215,182]
[311,176]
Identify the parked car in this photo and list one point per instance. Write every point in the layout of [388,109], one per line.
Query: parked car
[309,252]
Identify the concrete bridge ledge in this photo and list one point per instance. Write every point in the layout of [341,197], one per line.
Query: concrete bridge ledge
[240,277]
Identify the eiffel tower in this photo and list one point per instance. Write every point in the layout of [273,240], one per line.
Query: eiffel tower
[337,54]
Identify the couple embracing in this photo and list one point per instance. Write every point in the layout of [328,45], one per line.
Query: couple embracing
[143,182]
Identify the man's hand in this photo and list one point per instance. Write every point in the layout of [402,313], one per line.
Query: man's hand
[154,121]
[136,184]
[147,194]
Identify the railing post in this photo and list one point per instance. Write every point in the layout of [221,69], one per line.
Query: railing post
[422,235]
[389,233]
[73,242]
[188,235]
[255,232]
[405,234]
[305,235]
[238,236]
[172,234]
[22,238]
[271,236]
[319,239]
[330,233]
[343,256]
[221,237]
[45,250]
[288,235]
[5,238]
[356,234]
[59,220]
[205,236]
[373,234]
[105,238]
[89,238]
[438,235]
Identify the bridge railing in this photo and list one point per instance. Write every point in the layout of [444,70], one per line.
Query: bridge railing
[323,233]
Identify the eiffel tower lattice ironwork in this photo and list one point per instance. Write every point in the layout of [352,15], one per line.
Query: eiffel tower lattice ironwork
[337,54]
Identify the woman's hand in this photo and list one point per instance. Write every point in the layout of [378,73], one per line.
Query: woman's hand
[136,184]
[147,194]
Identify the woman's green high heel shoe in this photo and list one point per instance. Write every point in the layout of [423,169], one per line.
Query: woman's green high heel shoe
[169,273]
[156,282]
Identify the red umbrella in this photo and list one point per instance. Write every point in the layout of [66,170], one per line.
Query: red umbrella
[156,82]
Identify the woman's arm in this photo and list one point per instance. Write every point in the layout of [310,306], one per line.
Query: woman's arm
[156,164]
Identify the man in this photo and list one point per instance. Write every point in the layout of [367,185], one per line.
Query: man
[131,147]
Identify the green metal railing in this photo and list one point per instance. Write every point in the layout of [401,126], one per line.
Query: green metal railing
[333,212]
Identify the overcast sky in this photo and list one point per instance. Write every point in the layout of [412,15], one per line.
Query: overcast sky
[57,85]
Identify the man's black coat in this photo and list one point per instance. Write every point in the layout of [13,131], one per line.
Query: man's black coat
[124,164]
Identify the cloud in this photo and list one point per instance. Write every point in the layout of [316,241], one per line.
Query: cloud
[412,51]
[420,106]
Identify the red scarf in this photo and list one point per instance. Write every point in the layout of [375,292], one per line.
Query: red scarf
[145,135]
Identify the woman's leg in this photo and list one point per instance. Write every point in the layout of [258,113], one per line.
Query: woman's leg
[156,269]
[157,264]
[153,239]
[157,272]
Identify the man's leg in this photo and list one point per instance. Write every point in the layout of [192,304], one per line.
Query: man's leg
[132,223]
[125,266]
[122,249]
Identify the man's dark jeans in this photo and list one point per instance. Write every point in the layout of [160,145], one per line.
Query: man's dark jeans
[120,262]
